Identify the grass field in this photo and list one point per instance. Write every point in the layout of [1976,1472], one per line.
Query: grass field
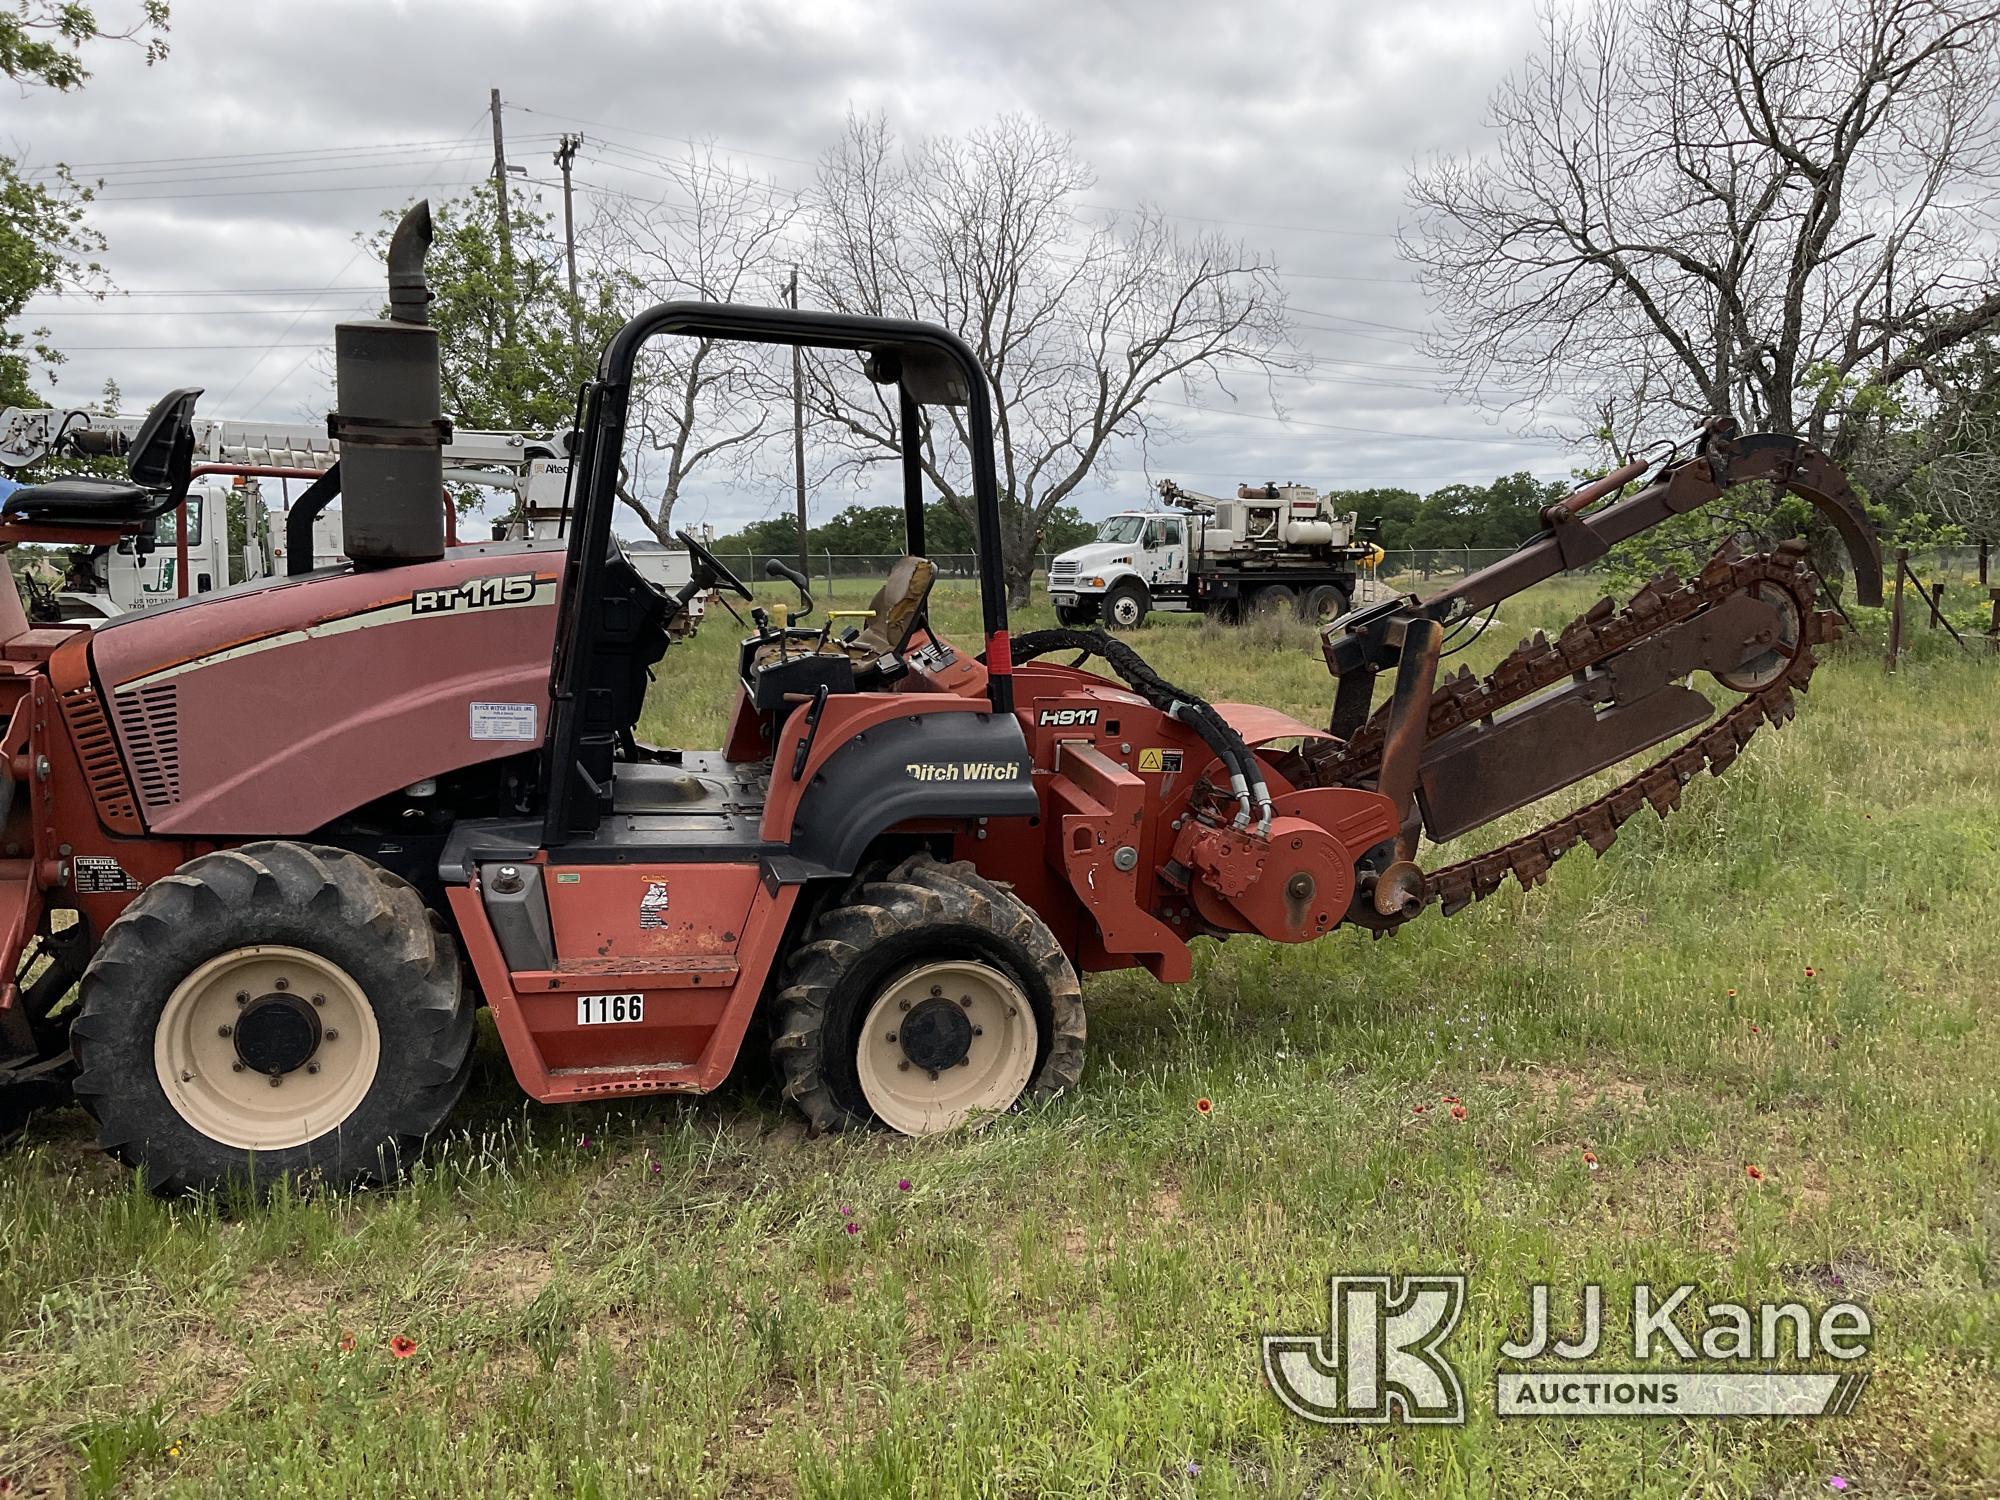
[690,1298]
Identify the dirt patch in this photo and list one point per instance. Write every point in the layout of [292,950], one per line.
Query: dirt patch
[508,1277]
[1551,1085]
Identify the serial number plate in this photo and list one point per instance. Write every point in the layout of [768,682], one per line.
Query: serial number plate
[1063,599]
[609,1010]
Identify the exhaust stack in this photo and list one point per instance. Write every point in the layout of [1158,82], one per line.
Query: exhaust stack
[389,422]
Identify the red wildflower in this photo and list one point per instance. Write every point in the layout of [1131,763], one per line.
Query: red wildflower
[1204,1106]
[903,1186]
[1417,1109]
[1732,994]
[347,1343]
[1451,1098]
[1754,1173]
[1811,973]
[1590,1160]
[852,1227]
[1755,1029]
[402,1346]
[1458,1111]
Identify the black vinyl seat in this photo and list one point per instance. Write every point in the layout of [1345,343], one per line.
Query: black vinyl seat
[95,501]
[160,462]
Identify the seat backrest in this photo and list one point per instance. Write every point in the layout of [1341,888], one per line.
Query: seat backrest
[163,451]
[899,604]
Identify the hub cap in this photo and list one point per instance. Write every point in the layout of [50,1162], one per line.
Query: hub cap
[263,1048]
[1124,610]
[1760,671]
[943,1042]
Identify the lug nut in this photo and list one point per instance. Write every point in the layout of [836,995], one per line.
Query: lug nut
[187,1077]
[979,1031]
[936,990]
[236,1067]
[319,999]
[933,1073]
[902,1005]
[892,1036]
[281,984]
[902,1067]
[965,1002]
[242,997]
[225,1031]
[332,1035]
[312,1067]
[276,1081]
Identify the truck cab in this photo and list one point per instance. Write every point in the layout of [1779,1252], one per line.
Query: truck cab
[133,576]
[1138,562]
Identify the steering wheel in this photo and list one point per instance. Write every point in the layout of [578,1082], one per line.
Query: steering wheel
[706,561]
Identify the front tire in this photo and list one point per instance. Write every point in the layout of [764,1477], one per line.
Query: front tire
[925,999]
[278,1009]
[1126,604]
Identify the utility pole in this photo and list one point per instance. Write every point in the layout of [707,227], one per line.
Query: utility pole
[799,428]
[565,155]
[500,210]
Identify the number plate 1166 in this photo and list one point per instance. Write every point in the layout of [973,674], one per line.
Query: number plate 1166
[601,1010]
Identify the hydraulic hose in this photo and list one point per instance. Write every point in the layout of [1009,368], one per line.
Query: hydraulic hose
[1246,775]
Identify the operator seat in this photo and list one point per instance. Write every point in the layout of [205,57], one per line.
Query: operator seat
[897,607]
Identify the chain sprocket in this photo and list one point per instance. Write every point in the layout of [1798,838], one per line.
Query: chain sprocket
[1592,640]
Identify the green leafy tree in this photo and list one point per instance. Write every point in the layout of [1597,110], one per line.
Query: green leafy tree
[511,353]
[46,241]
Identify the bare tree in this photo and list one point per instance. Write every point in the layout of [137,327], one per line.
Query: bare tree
[1077,323]
[1776,209]
[714,235]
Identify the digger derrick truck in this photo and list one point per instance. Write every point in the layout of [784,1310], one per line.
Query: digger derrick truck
[282,840]
[1274,550]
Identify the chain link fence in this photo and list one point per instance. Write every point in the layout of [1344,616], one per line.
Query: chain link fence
[840,575]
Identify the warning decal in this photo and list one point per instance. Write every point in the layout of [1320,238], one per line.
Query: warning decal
[1156,759]
[653,905]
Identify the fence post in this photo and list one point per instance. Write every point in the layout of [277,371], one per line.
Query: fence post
[1896,609]
[1937,604]
[1983,546]
[1993,630]
[827,553]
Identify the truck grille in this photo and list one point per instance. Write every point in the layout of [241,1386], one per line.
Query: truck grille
[1062,572]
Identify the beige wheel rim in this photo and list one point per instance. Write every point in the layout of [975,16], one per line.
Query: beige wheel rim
[262,1048]
[922,1020]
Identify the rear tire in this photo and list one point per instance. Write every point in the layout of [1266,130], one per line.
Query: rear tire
[1126,604]
[1324,603]
[273,1010]
[1076,614]
[928,964]
[1274,601]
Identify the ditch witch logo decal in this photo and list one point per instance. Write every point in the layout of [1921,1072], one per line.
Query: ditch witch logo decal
[1382,1357]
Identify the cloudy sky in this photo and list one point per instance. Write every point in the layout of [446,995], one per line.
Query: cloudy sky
[237,172]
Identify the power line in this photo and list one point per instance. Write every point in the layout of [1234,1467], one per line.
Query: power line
[478,119]
[1428,437]
[356,187]
[244,156]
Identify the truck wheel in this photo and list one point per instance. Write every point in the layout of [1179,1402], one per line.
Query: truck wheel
[1274,602]
[270,1010]
[1076,614]
[1325,603]
[1125,605]
[922,1000]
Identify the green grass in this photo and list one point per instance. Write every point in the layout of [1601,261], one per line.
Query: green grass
[663,1300]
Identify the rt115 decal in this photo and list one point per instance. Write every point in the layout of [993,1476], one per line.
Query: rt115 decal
[493,592]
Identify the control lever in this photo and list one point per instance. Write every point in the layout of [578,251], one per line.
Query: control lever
[775,569]
[805,744]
